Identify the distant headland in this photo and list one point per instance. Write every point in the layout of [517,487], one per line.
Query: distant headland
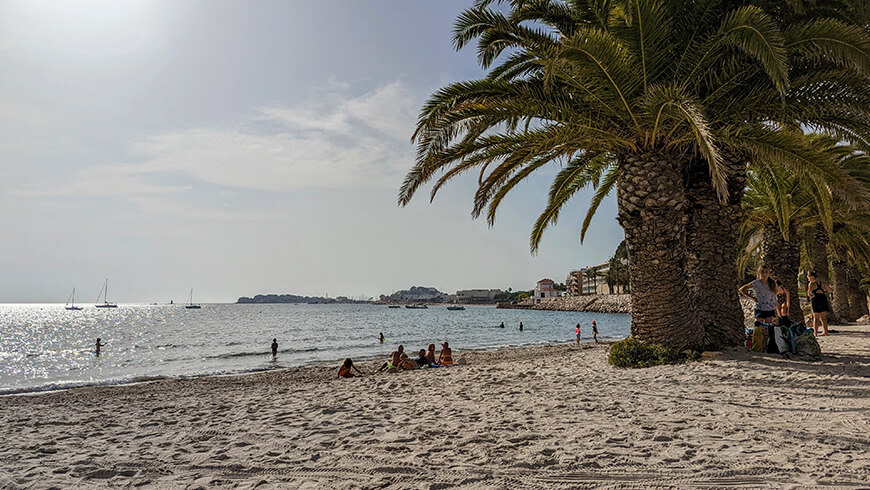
[292,298]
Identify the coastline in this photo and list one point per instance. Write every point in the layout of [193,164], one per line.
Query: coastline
[529,416]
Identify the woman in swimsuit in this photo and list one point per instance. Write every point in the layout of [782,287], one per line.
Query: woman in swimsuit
[430,354]
[446,357]
[763,288]
[819,299]
[783,300]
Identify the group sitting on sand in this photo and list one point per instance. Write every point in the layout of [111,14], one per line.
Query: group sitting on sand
[399,361]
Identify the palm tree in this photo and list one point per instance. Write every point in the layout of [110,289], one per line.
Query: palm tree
[782,207]
[634,96]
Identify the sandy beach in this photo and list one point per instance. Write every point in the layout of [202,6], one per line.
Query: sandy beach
[541,417]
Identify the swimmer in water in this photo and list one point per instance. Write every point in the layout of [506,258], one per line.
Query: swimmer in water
[382,339]
[99,344]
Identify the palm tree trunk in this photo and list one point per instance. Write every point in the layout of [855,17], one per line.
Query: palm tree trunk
[841,287]
[711,245]
[819,252]
[784,259]
[857,297]
[652,208]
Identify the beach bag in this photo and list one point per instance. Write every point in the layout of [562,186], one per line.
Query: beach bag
[794,331]
[757,339]
[779,342]
[807,345]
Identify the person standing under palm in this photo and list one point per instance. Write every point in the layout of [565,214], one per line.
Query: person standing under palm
[816,291]
[764,295]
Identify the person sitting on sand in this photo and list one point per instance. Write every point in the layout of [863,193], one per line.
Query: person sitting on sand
[345,370]
[764,295]
[595,331]
[395,357]
[274,347]
[99,344]
[422,360]
[446,357]
[430,354]
[406,363]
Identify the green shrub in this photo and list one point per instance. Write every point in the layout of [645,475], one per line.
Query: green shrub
[633,353]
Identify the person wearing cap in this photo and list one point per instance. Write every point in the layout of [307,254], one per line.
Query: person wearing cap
[446,357]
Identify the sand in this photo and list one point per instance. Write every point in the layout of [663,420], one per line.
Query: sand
[541,417]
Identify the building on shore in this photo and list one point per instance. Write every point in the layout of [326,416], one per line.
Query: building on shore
[588,280]
[468,296]
[545,288]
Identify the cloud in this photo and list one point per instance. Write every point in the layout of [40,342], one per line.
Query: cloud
[333,142]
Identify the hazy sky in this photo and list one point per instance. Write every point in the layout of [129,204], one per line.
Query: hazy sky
[244,148]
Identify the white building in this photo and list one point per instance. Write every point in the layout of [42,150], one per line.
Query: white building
[544,289]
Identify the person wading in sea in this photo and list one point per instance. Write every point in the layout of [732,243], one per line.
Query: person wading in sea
[97,348]
[274,348]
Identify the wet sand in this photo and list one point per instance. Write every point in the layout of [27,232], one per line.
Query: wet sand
[538,417]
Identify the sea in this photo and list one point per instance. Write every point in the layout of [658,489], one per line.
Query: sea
[45,347]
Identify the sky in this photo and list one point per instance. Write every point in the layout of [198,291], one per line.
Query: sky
[245,148]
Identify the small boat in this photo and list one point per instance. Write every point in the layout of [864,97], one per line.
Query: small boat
[393,306]
[416,307]
[71,302]
[455,307]
[105,295]
[190,305]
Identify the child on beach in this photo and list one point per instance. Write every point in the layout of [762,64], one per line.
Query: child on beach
[446,357]
[783,301]
[274,347]
[595,331]
[345,370]
[99,344]
[577,330]
[764,295]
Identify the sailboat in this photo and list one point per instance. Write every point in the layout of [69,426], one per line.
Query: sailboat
[105,294]
[71,302]
[190,305]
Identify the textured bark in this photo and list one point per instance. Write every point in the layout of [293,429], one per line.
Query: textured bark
[857,298]
[840,296]
[819,252]
[784,259]
[711,251]
[652,211]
